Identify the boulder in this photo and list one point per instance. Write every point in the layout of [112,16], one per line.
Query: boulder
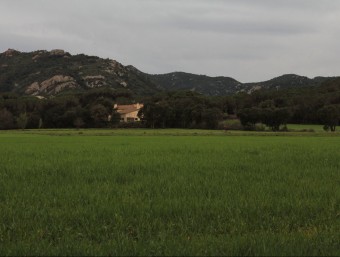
[53,85]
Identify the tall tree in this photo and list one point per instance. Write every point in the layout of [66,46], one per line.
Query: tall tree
[6,119]
[249,117]
[330,116]
[275,117]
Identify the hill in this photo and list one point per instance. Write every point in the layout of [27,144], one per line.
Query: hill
[199,83]
[215,86]
[52,72]
[48,73]
[286,81]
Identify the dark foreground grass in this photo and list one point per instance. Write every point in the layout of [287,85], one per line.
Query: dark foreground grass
[168,195]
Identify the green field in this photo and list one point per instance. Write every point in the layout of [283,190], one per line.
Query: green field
[299,127]
[291,127]
[169,192]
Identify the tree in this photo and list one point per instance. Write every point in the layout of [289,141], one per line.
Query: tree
[6,119]
[68,118]
[211,117]
[267,104]
[114,118]
[78,123]
[100,115]
[22,121]
[33,120]
[275,117]
[330,116]
[249,117]
[181,110]
[151,114]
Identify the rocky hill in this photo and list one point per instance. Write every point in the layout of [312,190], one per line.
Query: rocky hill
[46,73]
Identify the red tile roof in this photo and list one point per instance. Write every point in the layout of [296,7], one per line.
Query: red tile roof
[123,109]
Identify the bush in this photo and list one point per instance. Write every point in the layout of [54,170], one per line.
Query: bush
[260,127]
[130,125]
[233,125]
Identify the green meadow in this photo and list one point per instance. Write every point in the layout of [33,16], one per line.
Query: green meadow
[169,192]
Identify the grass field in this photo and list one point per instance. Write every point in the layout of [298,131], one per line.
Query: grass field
[169,192]
[299,127]
[291,127]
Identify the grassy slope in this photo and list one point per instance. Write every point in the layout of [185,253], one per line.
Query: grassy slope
[166,195]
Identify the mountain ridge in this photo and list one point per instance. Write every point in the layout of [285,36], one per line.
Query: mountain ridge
[49,73]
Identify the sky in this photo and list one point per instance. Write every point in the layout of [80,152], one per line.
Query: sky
[249,40]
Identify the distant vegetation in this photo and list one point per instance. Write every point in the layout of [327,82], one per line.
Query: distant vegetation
[313,105]
[79,91]
[273,108]
[218,86]
[184,109]
[90,109]
[198,83]
[181,109]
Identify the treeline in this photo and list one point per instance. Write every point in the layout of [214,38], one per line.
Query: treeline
[273,108]
[309,105]
[181,109]
[93,109]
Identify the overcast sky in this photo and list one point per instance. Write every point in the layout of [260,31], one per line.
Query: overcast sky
[249,40]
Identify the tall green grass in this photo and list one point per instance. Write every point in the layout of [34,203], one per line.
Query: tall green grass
[168,195]
[305,127]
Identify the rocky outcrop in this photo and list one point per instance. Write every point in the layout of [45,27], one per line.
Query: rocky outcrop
[35,57]
[38,54]
[123,84]
[33,89]
[10,53]
[254,88]
[95,81]
[116,68]
[59,53]
[52,86]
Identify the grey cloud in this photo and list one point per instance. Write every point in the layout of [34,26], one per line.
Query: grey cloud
[244,27]
[246,39]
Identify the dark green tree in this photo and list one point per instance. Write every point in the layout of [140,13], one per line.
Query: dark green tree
[275,117]
[99,115]
[330,116]
[6,119]
[211,117]
[249,117]
[78,123]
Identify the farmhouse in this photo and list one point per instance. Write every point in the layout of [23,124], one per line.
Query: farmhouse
[128,113]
